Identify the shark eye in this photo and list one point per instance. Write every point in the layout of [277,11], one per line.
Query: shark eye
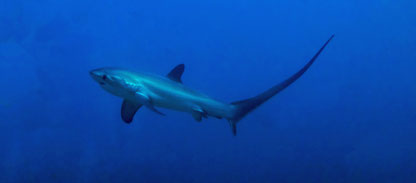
[104,77]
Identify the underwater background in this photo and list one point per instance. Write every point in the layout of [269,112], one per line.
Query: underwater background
[350,118]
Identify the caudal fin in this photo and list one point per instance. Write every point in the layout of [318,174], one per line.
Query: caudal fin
[244,107]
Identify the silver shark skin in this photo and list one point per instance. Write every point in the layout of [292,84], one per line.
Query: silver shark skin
[162,91]
[151,91]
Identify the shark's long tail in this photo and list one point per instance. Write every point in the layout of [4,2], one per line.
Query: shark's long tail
[244,107]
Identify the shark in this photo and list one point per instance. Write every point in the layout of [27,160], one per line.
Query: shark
[155,91]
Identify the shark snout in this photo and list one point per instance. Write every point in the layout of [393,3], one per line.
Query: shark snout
[97,75]
[94,73]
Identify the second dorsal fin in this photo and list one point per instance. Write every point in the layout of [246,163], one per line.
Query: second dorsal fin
[176,73]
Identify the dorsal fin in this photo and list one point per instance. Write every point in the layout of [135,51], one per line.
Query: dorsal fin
[176,73]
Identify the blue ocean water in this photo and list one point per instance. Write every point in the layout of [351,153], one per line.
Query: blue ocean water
[350,118]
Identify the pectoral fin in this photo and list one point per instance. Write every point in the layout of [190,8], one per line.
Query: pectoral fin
[128,109]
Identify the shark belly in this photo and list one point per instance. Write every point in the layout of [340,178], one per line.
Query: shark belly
[177,97]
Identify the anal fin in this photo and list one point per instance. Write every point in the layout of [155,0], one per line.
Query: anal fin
[233,126]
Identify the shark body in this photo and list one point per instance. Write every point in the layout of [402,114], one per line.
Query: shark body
[151,91]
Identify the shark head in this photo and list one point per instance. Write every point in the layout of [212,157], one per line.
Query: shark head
[114,81]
